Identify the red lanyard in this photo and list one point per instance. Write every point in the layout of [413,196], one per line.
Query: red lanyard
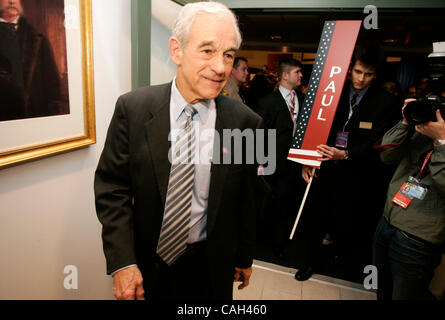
[425,163]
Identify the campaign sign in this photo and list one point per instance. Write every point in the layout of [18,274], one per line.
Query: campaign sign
[325,86]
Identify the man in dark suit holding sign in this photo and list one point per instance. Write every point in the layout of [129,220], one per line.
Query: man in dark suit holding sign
[174,227]
[352,181]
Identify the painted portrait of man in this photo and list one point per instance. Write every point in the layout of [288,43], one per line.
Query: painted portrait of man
[33,80]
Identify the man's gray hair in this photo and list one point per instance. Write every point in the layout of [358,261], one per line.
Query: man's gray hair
[189,12]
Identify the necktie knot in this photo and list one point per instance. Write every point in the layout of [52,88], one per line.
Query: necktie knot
[190,111]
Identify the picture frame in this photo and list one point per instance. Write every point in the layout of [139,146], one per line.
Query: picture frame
[31,139]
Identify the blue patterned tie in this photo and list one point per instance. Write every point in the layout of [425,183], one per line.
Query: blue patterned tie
[178,204]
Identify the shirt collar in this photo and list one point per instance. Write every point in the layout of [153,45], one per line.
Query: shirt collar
[14,22]
[178,103]
[360,94]
[285,92]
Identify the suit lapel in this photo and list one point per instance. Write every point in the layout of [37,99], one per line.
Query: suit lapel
[218,171]
[362,107]
[157,129]
[284,109]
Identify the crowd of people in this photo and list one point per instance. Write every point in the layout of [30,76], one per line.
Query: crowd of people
[348,195]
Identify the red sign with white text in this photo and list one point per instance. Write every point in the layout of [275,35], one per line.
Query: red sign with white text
[325,87]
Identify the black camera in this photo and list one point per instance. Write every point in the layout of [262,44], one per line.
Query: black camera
[424,109]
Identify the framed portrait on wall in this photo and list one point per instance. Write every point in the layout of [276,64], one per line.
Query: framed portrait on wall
[46,78]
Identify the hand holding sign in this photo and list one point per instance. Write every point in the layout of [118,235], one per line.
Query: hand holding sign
[330,153]
[320,104]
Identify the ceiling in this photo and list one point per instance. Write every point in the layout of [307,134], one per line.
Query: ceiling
[400,31]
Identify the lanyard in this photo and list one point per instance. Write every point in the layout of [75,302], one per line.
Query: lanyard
[426,162]
[351,111]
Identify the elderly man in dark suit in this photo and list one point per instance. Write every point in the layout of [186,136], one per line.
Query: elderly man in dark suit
[351,183]
[280,111]
[29,69]
[175,228]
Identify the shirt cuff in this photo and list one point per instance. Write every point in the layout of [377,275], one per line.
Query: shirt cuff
[131,265]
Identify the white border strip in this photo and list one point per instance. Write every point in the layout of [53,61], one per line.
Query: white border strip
[305,152]
[312,163]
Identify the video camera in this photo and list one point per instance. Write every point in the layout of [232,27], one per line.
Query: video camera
[424,110]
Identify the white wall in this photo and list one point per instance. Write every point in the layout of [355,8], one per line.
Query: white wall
[164,14]
[47,214]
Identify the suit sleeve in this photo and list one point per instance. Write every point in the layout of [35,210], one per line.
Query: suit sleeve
[113,194]
[52,83]
[393,146]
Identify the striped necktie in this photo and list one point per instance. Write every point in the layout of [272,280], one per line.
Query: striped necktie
[178,204]
[354,101]
[292,105]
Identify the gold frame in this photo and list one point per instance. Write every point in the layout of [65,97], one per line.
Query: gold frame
[41,151]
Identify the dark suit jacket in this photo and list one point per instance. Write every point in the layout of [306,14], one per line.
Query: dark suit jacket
[377,107]
[32,61]
[359,184]
[275,113]
[131,184]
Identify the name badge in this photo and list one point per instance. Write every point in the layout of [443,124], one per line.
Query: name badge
[342,139]
[411,189]
[365,125]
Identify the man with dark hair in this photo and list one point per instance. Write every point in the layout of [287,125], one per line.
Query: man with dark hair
[350,186]
[237,78]
[280,111]
[34,72]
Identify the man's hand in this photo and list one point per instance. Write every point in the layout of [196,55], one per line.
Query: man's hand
[307,172]
[260,171]
[433,129]
[127,284]
[243,275]
[403,108]
[330,153]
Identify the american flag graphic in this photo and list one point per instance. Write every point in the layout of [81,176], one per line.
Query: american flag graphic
[323,94]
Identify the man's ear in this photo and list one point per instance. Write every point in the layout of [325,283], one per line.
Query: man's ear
[285,75]
[175,50]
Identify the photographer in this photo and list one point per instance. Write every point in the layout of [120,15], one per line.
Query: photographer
[409,237]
